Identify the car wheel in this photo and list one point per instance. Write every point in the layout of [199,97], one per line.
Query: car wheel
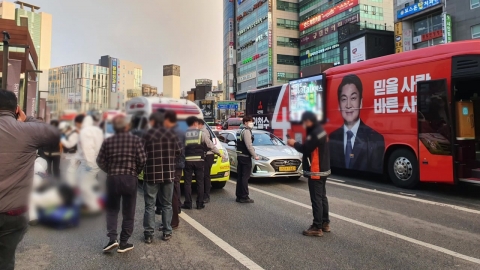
[403,169]
[219,185]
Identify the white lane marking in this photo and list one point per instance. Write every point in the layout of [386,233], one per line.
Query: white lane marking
[336,180]
[222,244]
[378,229]
[459,208]
[408,194]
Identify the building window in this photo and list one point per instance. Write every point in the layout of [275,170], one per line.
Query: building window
[288,42]
[287,24]
[476,31]
[287,6]
[288,60]
[474,4]
[284,77]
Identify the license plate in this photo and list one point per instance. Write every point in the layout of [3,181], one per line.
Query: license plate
[287,169]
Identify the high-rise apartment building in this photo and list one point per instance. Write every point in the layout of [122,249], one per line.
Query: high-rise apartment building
[125,80]
[365,23]
[267,44]
[79,87]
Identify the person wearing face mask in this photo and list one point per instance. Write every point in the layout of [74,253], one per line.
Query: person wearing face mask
[245,153]
[316,167]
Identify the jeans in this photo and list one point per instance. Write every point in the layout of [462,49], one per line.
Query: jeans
[244,169]
[176,198]
[150,191]
[121,188]
[318,196]
[12,230]
[207,177]
[199,168]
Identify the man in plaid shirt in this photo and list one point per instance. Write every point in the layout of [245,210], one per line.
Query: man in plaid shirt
[163,148]
[123,157]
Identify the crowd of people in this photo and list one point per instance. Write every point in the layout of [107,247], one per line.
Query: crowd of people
[154,150]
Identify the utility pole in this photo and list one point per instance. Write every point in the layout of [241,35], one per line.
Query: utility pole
[6,39]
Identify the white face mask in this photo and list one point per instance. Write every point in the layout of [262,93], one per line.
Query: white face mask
[250,124]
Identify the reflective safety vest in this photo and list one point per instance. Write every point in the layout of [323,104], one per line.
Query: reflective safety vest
[194,149]
[241,146]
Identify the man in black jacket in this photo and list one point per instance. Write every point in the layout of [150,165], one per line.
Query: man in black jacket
[316,166]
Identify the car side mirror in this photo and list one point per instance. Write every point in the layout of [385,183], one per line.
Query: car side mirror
[232,143]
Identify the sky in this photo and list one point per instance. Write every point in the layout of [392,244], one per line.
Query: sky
[152,33]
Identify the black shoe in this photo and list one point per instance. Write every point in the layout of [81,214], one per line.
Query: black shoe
[186,206]
[124,248]
[245,200]
[207,200]
[110,246]
[148,239]
[158,211]
[160,228]
[200,206]
[166,237]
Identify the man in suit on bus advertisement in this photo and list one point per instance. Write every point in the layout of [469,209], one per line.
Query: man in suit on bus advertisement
[355,145]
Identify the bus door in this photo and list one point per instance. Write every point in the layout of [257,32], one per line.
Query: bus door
[434,132]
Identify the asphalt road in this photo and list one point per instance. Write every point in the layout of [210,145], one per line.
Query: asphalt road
[374,226]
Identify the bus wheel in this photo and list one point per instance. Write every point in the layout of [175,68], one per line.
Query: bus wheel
[219,185]
[403,168]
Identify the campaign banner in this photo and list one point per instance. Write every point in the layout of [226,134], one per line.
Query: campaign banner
[31,98]
[329,29]
[42,106]
[329,13]
[13,78]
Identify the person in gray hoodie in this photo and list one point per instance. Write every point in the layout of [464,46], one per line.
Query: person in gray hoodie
[20,137]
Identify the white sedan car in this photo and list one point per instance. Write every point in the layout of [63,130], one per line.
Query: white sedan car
[276,158]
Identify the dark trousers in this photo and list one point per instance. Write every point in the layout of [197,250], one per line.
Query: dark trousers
[318,196]
[176,203]
[53,165]
[199,168]
[208,178]
[12,230]
[121,188]
[244,169]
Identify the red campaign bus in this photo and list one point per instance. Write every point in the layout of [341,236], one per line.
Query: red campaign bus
[413,116]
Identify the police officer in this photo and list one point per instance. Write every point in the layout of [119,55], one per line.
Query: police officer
[196,144]
[245,152]
[209,159]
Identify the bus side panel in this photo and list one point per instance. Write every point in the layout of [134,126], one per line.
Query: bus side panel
[435,168]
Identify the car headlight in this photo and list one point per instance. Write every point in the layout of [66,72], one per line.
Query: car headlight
[225,152]
[260,157]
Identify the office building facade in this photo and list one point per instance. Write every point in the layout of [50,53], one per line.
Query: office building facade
[267,44]
[321,22]
[79,87]
[229,54]
[465,18]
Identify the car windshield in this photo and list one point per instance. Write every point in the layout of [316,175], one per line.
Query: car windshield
[264,139]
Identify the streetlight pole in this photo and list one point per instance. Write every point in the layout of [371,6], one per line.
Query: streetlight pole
[6,39]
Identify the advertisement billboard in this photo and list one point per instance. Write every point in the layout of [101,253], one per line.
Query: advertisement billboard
[398,37]
[357,50]
[207,107]
[329,29]
[306,94]
[329,13]
[31,99]
[407,40]
[417,7]
[113,71]
[447,28]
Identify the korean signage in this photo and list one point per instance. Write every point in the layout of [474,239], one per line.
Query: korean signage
[329,29]
[417,7]
[270,43]
[329,13]
[227,105]
[114,75]
[432,35]
[253,58]
[247,77]
[247,12]
[398,37]
[253,25]
[447,28]
[357,50]
[309,54]
[251,42]
[407,40]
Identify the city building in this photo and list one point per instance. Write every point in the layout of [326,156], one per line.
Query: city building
[229,54]
[171,81]
[79,87]
[266,39]
[125,83]
[465,19]
[325,25]
[202,88]
[149,90]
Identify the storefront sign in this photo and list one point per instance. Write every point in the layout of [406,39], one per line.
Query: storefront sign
[13,77]
[253,25]
[114,75]
[327,14]
[251,42]
[31,98]
[246,77]
[253,58]
[447,28]
[329,29]
[270,43]
[417,7]
[246,13]
[407,40]
[398,37]
[357,50]
[326,49]
[432,35]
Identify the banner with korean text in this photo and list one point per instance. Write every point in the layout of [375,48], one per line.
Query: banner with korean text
[329,13]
